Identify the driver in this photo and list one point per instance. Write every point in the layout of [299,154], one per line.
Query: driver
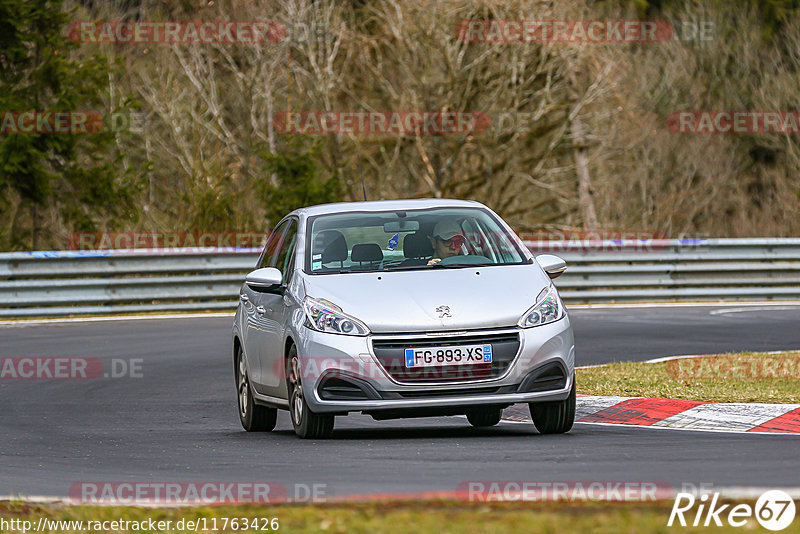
[447,240]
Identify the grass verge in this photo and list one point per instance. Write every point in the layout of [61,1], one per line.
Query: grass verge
[730,377]
[438,517]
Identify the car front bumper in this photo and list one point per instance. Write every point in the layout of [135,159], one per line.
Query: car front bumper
[352,357]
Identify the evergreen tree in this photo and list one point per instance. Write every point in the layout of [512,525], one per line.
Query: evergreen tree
[75,176]
[297,182]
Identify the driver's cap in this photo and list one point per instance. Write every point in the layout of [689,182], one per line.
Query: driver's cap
[446,229]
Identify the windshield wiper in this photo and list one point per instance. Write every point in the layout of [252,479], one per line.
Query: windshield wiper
[447,266]
[407,267]
[334,271]
[450,265]
[435,265]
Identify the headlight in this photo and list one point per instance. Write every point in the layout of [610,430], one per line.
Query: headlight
[548,309]
[325,316]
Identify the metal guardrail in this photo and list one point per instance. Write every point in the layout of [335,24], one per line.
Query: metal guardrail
[37,284]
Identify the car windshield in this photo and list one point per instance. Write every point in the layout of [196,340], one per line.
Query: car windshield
[408,239]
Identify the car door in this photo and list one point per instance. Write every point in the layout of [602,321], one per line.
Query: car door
[255,323]
[275,315]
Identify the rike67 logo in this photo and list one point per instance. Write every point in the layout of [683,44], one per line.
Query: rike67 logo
[774,510]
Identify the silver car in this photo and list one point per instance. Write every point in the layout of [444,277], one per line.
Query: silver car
[405,308]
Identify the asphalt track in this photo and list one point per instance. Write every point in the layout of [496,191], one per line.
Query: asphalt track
[178,421]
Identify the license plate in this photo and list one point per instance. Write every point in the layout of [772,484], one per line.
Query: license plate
[441,356]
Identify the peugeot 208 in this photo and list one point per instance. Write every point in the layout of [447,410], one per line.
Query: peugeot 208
[405,308]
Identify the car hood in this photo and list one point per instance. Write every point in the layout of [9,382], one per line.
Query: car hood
[407,301]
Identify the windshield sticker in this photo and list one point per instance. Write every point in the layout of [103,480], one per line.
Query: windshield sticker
[316,264]
[395,239]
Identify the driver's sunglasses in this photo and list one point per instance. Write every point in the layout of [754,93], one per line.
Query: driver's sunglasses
[457,240]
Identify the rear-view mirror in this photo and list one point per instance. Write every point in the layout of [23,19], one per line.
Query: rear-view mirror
[401,226]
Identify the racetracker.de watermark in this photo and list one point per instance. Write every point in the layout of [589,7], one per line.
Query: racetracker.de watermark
[734,122]
[69,122]
[195,493]
[68,368]
[578,491]
[177,32]
[381,122]
[595,241]
[169,241]
[733,367]
[565,31]
[450,366]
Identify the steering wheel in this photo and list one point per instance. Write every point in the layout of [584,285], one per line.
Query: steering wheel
[469,259]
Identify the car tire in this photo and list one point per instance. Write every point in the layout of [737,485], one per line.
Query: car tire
[254,417]
[554,417]
[307,424]
[483,417]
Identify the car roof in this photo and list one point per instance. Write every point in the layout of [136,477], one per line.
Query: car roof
[383,205]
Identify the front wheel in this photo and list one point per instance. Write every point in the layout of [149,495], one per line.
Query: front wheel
[254,418]
[554,417]
[307,424]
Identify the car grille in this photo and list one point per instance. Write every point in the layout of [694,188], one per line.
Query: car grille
[391,355]
[460,392]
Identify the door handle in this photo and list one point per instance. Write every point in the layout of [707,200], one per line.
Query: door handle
[260,310]
[244,298]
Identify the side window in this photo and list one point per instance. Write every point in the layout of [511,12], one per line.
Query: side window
[290,260]
[283,260]
[273,246]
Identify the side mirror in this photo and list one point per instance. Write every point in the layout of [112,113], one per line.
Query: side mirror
[266,278]
[552,265]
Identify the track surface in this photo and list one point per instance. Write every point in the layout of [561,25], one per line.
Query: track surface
[178,421]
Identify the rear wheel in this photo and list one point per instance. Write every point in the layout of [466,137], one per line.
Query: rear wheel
[554,417]
[483,417]
[254,417]
[307,424]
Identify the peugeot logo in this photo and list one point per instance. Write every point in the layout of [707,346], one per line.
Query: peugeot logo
[443,311]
